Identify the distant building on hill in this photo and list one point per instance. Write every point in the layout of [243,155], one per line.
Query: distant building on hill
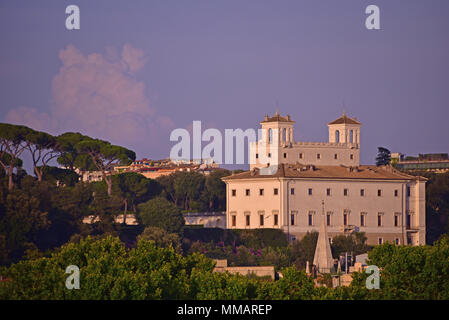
[153,169]
[89,176]
[385,203]
[431,162]
[156,168]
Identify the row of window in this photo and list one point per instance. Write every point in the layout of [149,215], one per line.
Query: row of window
[248,192]
[396,221]
[351,136]
[310,192]
[396,241]
[261,220]
[311,214]
[318,156]
[301,156]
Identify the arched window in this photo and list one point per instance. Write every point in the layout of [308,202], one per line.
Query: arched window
[337,136]
[284,135]
[351,136]
[270,135]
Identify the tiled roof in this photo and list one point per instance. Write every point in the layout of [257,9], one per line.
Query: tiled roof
[328,172]
[344,119]
[277,118]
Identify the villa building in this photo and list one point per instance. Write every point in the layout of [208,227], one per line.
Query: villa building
[431,162]
[156,168]
[324,180]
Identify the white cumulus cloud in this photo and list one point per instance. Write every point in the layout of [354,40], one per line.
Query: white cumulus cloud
[100,96]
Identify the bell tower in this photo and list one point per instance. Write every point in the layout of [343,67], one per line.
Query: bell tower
[284,127]
[345,130]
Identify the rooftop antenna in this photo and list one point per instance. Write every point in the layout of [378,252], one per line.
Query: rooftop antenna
[277,107]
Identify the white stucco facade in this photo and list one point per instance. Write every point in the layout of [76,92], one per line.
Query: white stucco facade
[386,204]
[278,146]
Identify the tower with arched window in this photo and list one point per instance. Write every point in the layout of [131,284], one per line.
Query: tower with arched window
[277,144]
[345,130]
[280,127]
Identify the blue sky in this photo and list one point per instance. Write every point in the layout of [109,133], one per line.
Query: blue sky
[138,69]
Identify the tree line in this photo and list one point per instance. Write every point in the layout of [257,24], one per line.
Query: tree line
[72,150]
[42,216]
[44,211]
[109,270]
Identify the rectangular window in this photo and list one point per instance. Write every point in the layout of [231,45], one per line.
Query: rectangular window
[292,191]
[345,192]
[292,220]
[269,155]
[379,193]
[345,219]
[380,240]
[335,156]
[234,192]
[310,219]
[396,193]
[351,157]
[328,219]
[300,156]
[362,219]
[328,191]
[408,191]
[261,220]
[310,191]
[318,156]
[275,191]
[285,155]
[257,156]
[362,192]
[379,219]
[247,220]
[260,192]
[234,220]
[396,241]
[408,220]
[396,220]
[276,219]
[247,192]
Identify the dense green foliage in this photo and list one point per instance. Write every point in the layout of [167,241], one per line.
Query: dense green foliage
[437,204]
[256,238]
[42,232]
[159,212]
[410,272]
[162,238]
[355,243]
[264,246]
[192,191]
[108,270]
